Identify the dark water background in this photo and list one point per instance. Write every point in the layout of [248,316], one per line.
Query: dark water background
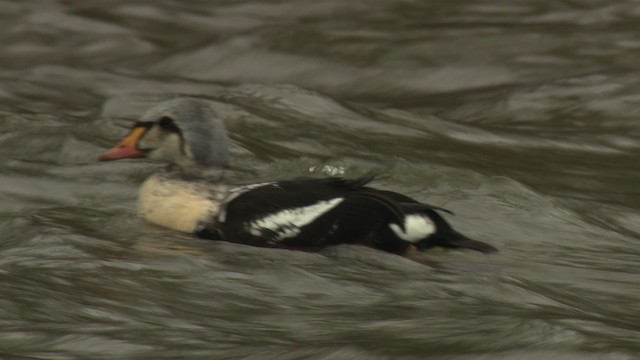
[520,116]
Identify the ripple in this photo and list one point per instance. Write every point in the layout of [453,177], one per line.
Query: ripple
[521,118]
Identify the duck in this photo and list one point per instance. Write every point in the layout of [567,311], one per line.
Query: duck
[190,194]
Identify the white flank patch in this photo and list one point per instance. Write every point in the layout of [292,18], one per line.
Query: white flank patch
[416,228]
[287,223]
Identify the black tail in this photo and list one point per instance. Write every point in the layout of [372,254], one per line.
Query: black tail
[453,239]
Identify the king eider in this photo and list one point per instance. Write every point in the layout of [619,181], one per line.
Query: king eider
[190,196]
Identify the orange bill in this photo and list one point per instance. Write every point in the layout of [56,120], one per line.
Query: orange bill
[127,147]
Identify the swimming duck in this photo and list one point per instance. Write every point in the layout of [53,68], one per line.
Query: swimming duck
[190,196]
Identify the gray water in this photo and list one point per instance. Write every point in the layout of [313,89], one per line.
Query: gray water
[521,117]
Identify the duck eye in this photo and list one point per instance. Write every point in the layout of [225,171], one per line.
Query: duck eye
[168,124]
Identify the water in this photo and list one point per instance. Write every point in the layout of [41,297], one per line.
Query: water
[519,117]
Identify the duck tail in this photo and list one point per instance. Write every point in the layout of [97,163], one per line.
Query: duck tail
[454,239]
[461,241]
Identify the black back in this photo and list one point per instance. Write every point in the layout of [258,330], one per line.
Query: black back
[361,215]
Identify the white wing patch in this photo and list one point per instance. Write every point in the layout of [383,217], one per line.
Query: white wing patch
[288,223]
[237,191]
[416,228]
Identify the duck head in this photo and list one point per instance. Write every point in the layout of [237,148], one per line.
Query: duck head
[183,131]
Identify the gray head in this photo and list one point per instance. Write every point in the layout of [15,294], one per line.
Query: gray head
[183,131]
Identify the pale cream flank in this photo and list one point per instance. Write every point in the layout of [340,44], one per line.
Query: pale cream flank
[176,204]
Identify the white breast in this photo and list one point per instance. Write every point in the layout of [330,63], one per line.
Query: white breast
[177,204]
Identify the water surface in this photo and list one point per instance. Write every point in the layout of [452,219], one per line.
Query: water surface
[519,117]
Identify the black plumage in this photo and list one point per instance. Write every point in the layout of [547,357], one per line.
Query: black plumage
[363,216]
